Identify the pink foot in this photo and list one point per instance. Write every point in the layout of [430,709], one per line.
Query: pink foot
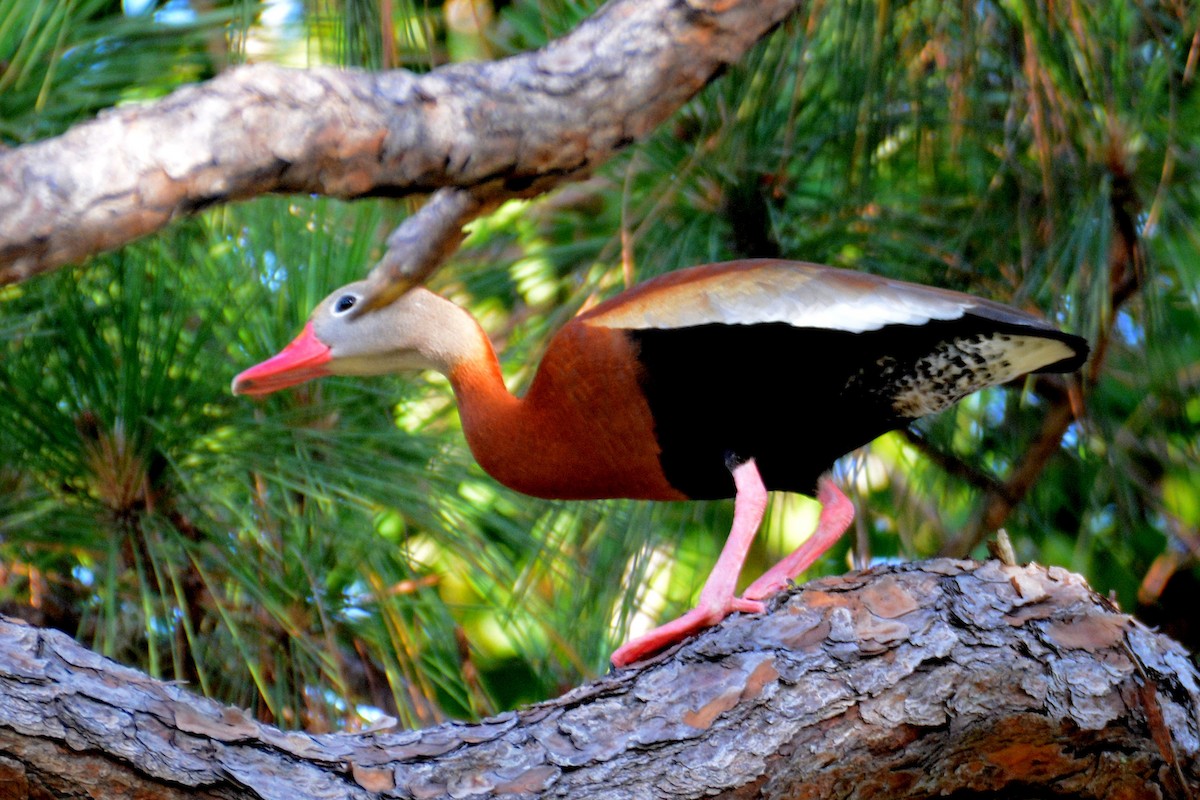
[717,599]
[677,630]
[837,512]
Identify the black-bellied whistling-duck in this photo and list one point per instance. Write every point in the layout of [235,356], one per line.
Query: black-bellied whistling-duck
[726,380]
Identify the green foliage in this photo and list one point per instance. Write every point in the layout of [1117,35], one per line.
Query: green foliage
[332,552]
[63,62]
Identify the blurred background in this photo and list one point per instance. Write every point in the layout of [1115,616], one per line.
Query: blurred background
[332,557]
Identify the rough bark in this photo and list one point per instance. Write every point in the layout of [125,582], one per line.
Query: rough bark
[481,133]
[913,681]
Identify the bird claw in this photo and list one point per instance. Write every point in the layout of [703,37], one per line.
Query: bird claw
[702,616]
[747,606]
[761,589]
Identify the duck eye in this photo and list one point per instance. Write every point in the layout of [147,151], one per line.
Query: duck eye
[344,304]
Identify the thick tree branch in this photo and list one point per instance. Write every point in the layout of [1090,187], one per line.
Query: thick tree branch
[508,128]
[914,681]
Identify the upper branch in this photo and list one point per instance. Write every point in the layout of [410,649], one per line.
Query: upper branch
[499,129]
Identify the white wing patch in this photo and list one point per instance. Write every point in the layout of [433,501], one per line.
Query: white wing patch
[799,294]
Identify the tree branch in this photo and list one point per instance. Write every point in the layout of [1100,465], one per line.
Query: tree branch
[509,128]
[912,681]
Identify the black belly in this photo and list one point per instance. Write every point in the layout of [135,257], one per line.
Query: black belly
[793,399]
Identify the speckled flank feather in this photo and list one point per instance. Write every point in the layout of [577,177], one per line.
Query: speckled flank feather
[956,368]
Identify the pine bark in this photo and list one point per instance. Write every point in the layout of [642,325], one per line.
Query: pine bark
[913,681]
[491,131]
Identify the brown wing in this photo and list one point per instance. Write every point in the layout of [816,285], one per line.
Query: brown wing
[793,292]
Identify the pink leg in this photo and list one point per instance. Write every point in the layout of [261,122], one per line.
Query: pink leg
[717,599]
[837,512]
